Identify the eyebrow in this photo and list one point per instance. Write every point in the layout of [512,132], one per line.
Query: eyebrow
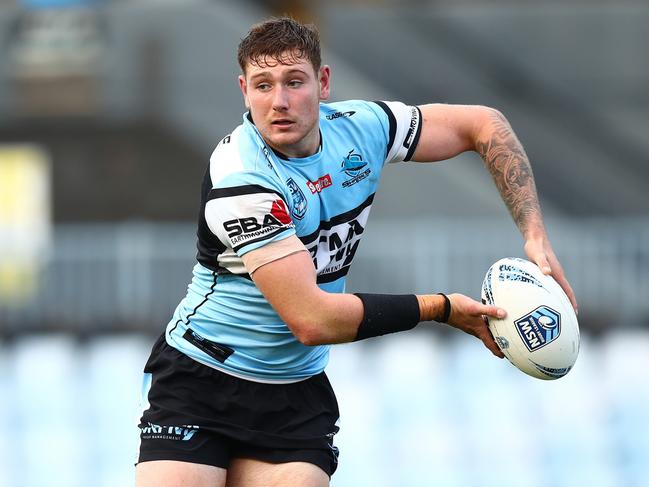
[264,74]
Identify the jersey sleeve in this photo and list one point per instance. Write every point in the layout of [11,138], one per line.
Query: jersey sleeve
[402,124]
[246,211]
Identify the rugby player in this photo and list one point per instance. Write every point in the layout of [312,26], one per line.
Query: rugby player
[234,391]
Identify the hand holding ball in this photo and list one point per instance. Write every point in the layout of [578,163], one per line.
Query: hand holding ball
[540,334]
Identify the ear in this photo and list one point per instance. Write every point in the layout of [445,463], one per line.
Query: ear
[324,76]
[244,89]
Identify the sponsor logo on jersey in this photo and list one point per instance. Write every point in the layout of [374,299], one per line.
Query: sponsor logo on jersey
[242,230]
[333,248]
[355,167]
[539,327]
[159,432]
[279,211]
[414,121]
[299,200]
[320,184]
[335,115]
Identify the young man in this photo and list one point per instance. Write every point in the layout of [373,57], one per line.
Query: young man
[234,391]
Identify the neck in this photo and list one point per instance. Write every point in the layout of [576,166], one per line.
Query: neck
[308,146]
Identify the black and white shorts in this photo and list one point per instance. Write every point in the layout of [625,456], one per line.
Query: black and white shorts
[200,415]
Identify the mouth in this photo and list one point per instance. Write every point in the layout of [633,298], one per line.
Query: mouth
[282,123]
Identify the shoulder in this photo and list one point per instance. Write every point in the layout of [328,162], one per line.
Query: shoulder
[359,119]
[349,111]
[393,124]
[390,115]
[237,160]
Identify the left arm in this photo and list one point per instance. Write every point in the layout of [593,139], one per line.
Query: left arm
[449,130]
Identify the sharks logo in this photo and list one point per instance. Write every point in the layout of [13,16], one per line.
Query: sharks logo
[355,167]
[353,163]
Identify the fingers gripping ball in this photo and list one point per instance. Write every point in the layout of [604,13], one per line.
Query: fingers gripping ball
[540,334]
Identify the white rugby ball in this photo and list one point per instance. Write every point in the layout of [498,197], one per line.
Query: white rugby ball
[540,334]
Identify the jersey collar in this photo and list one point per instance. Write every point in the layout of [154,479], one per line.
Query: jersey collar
[247,118]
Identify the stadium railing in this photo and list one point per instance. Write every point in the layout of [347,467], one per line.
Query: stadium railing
[130,276]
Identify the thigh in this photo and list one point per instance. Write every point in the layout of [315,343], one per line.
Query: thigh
[246,472]
[168,473]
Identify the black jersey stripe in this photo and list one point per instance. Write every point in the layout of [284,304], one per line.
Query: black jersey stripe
[239,191]
[337,220]
[415,140]
[208,245]
[226,272]
[333,276]
[393,125]
[189,316]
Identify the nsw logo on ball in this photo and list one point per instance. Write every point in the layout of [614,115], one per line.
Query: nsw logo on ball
[539,327]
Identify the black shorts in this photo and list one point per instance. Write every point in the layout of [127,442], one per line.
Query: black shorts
[197,414]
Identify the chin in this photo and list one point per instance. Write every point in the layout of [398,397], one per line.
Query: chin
[285,140]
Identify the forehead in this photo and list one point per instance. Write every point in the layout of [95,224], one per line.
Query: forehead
[278,65]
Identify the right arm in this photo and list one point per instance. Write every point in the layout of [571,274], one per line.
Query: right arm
[317,317]
[314,316]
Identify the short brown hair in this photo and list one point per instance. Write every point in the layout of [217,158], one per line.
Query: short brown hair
[282,39]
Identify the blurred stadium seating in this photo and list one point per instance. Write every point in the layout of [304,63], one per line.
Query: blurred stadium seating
[416,410]
[128,99]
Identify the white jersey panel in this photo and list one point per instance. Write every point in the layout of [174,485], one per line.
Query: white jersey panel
[408,121]
[245,208]
[226,158]
[248,216]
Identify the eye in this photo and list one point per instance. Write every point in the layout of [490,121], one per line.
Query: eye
[295,83]
[263,86]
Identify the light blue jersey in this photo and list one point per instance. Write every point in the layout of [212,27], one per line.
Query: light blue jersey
[252,196]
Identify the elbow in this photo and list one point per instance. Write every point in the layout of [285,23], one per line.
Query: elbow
[311,340]
[489,113]
[494,118]
[487,122]
[487,118]
[307,333]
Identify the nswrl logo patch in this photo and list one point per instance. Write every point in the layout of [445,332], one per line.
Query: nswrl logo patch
[299,200]
[539,327]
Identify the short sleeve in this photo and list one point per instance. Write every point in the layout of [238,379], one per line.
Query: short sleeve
[246,215]
[404,128]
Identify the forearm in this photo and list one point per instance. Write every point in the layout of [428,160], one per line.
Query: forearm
[317,317]
[330,318]
[339,319]
[510,168]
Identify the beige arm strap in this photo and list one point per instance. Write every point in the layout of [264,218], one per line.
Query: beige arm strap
[254,259]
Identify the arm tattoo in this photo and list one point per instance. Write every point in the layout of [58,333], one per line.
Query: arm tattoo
[510,168]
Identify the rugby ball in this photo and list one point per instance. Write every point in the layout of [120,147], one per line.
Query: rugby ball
[540,334]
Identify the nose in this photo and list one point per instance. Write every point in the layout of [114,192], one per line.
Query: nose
[280,100]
